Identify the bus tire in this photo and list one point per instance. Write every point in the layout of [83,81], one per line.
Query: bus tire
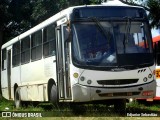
[17,98]
[53,95]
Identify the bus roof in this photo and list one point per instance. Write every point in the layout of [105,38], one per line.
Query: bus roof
[157,38]
[63,13]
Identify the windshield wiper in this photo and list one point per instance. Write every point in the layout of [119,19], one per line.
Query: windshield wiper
[127,28]
[101,28]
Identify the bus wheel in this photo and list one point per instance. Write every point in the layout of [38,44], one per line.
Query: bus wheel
[17,98]
[120,106]
[53,95]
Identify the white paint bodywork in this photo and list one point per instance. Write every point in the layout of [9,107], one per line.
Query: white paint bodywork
[158,83]
[32,78]
[88,91]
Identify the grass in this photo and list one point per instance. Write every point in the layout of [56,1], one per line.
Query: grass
[146,106]
[82,112]
[65,110]
[6,105]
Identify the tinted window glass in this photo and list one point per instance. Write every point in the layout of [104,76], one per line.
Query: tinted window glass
[25,50]
[36,53]
[16,54]
[49,45]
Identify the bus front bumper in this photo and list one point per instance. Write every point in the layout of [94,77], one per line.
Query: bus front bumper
[83,93]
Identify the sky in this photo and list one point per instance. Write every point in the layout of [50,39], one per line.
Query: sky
[155,32]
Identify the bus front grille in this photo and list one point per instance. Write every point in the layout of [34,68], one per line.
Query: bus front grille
[117,81]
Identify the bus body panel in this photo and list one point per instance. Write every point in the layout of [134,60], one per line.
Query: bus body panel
[32,78]
[158,75]
[16,72]
[34,82]
[156,43]
[50,68]
[32,73]
[94,91]
[36,92]
[157,83]
[94,76]
[4,77]
[90,93]
[15,78]
[158,93]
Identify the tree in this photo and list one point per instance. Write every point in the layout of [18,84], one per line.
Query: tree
[153,7]
[154,14]
[20,11]
[95,1]
[5,16]
[3,22]
[43,9]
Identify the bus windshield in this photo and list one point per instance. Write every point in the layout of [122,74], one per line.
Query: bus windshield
[117,43]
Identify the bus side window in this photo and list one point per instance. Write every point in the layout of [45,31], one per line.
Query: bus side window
[4,63]
[49,41]
[25,50]
[16,54]
[36,44]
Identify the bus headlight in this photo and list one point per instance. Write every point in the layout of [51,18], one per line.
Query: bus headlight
[89,81]
[75,75]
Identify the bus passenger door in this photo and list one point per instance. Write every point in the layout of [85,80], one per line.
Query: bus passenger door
[9,72]
[63,64]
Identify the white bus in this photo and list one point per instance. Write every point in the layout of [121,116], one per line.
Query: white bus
[156,42]
[156,46]
[82,54]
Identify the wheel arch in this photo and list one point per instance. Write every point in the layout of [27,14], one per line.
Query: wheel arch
[15,87]
[51,82]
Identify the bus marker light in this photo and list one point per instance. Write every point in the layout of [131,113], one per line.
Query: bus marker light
[150,76]
[89,81]
[145,79]
[82,78]
[75,75]
[147,93]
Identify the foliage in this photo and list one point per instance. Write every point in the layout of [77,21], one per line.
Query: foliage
[17,16]
[20,11]
[154,14]
[3,13]
[83,110]
[95,1]
[43,9]
[5,18]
